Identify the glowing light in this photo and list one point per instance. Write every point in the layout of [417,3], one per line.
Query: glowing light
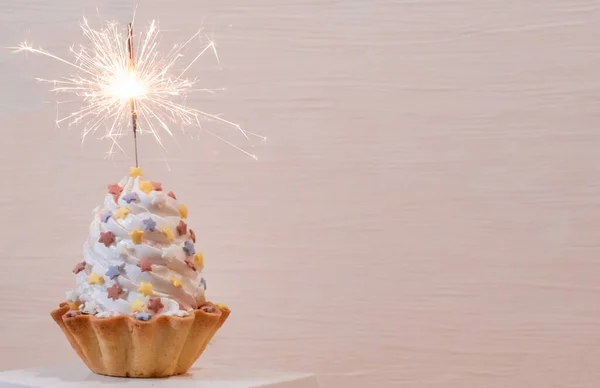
[105,84]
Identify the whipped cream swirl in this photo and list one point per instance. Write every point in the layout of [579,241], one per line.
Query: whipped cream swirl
[139,256]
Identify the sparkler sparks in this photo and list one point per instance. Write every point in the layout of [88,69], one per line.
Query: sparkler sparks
[111,88]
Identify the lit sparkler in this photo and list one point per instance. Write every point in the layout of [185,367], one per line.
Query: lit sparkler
[114,86]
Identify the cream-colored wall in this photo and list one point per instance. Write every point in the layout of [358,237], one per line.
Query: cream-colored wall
[425,213]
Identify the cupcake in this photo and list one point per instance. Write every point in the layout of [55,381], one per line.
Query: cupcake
[138,308]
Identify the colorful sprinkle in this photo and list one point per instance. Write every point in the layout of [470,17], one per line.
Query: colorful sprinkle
[199,260]
[155,304]
[73,306]
[114,292]
[115,190]
[113,272]
[145,289]
[143,316]
[183,210]
[137,236]
[176,282]
[149,224]
[188,247]
[134,172]
[105,216]
[221,306]
[106,238]
[122,212]
[137,306]
[94,278]
[193,236]
[181,228]
[72,313]
[170,194]
[203,283]
[145,265]
[79,267]
[130,197]
[157,186]
[168,233]
[146,186]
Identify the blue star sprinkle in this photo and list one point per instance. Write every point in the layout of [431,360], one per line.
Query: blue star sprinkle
[113,272]
[149,224]
[131,196]
[142,316]
[106,216]
[189,249]
[203,283]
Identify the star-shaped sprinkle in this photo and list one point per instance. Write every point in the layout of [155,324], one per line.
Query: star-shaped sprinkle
[193,236]
[142,316]
[122,212]
[199,260]
[134,172]
[183,211]
[155,304]
[188,247]
[157,186]
[73,313]
[106,238]
[136,236]
[113,272]
[176,282]
[79,267]
[130,197]
[145,289]
[105,216]
[190,263]
[203,283]
[168,233]
[149,224]
[170,194]
[114,291]
[181,228]
[94,278]
[115,190]
[137,306]
[146,186]
[145,265]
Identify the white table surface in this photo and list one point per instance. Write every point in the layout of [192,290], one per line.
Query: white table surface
[201,376]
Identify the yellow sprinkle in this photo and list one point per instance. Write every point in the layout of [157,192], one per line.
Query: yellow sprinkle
[183,210]
[73,305]
[199,260]
[146,186]
[168,232]
[137,306]
[94,278]
[222,307]
[145,289]
[176,282]
[136,236]
[122,212]
[134,172]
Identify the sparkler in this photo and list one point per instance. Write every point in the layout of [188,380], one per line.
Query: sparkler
[114,85]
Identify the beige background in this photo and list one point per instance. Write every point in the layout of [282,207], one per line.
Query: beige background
[425,214]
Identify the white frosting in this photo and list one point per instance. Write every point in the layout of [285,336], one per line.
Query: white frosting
[167,257]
